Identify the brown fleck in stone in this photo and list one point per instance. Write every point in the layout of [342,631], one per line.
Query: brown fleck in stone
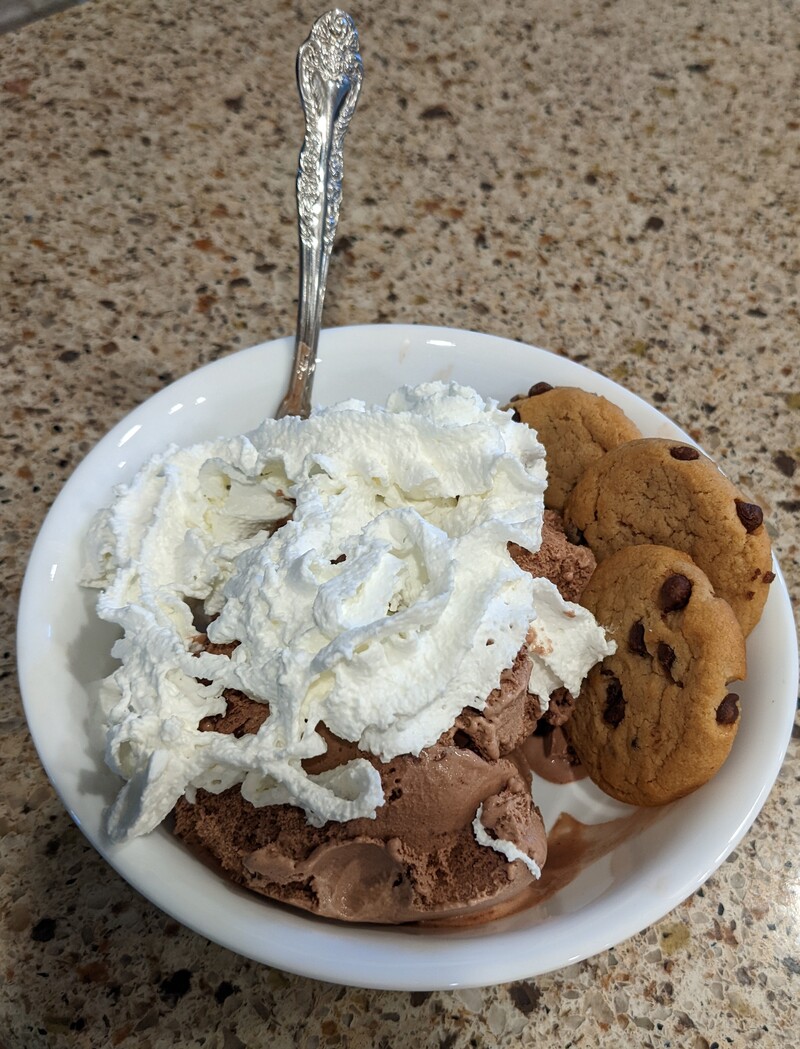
[44,930]
[224,991]
[417,998]
[785,463]
[674,937]
[654,223]
[343,244]
[436,113]
[93,972]
[176,986]
[20,86]
[526,996]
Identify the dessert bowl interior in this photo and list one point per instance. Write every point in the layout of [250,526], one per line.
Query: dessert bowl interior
[658,858]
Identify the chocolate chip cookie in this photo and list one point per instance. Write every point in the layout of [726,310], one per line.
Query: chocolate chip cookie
[666,492]
[656,719]
[576,428]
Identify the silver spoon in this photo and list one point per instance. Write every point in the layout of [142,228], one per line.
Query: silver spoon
[329,74]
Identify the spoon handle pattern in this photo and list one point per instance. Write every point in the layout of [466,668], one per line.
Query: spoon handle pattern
[329,75]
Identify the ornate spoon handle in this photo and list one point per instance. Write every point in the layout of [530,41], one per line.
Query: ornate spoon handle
[329,74]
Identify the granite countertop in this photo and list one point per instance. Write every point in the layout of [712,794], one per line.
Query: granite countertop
[617,183]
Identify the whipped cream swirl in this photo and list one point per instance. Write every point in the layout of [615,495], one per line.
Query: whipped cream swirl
[359,560]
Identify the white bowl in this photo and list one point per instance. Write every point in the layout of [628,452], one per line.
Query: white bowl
[64,652]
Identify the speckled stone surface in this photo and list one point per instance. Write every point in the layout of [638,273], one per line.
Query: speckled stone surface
[618,182]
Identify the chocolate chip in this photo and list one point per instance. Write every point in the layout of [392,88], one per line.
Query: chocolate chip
[338,560]
[684,452]
[675,593]
[728,710]
[666,657]
[516,416]
[768,577]
[751,515]
[615,704]
[539,387]
[636,639]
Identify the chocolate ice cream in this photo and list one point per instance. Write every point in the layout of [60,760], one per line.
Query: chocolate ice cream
[569,567]
[419,858]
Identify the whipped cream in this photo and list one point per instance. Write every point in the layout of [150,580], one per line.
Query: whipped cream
[359,559]
[503,845]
